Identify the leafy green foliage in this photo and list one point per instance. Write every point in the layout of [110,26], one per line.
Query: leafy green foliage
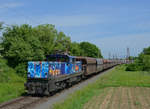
[21,69]
[90,50]
[11,85]
[75,49]
[1,25]
[133,67]
[146,62]
[146,51]
[20,44]
[62,42]
[142,62]
[85,49]
[10,91]
[7,74]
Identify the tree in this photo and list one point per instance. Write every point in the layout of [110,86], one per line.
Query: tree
[75,49]
[146,51]
[62,42]
[47,35]
[146,62]
[20,45]
[50,39]
[142,62]
[90,50]
[1,25]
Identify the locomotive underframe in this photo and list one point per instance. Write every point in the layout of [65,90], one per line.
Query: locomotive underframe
[49,85]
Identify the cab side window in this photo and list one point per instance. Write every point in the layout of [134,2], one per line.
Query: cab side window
[73,60]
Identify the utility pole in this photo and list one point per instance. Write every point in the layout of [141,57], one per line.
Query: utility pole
[113,57]
[109,55]
[128,53]
[116,56]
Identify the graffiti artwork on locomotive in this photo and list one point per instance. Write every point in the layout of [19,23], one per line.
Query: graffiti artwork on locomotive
[55,73]
[62,70]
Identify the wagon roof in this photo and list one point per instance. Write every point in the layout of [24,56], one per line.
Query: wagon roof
[88,60]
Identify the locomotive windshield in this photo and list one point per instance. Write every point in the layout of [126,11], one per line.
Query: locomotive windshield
[57,58]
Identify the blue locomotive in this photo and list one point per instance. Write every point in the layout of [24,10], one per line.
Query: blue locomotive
[57,72]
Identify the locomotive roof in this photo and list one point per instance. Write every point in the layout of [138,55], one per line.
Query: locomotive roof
[60,56]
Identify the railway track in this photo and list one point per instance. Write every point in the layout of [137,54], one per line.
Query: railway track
[21,102]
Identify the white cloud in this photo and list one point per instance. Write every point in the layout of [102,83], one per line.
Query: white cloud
[68,21]
[75,20]
[59,21]
[10,5]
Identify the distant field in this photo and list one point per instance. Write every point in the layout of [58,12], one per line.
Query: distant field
[117,88]
[121,98]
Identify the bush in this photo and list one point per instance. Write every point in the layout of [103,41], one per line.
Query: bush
[142,62]
[6,72]
[134,67]
[146,62]
[21,69]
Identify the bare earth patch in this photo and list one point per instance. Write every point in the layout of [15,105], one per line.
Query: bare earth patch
[116,98]
[121,98]
[96,100]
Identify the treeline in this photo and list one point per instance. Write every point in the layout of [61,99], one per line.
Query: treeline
[142,62]
[26,43]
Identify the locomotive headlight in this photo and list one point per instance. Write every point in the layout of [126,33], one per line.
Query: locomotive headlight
[28,75]
[46,74]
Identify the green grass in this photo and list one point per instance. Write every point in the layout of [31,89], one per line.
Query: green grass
[120,77]
[11,85]
[115,78]
[10,90]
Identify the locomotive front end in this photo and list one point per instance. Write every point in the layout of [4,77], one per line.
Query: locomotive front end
[37,77]
[53,74]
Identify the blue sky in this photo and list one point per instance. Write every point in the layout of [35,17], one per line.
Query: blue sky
[113,25]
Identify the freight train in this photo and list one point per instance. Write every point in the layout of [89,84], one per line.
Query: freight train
[59,71]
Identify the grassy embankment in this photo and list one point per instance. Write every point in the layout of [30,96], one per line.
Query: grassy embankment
[115,78]
[11,85]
